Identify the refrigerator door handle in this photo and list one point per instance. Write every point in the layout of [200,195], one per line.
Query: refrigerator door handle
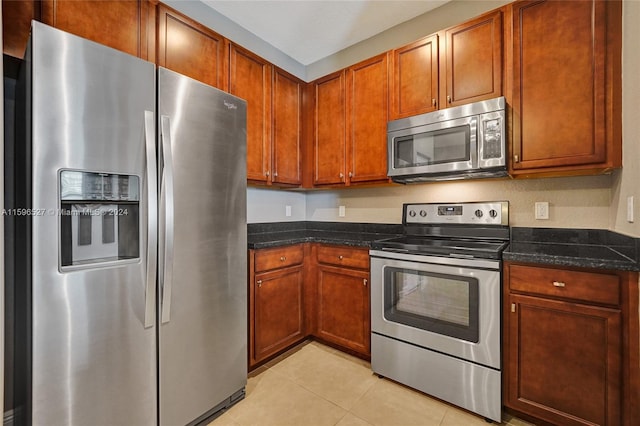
[167,194]
[152,218]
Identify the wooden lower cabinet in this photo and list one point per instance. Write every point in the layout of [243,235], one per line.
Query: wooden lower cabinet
[343,303]
[569,355]
[276,314]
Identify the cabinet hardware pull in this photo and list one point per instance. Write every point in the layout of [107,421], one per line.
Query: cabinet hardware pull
[283,258]
[341,175]
[350,174]
[433,102]
[448,98]
[259,282]
[275,174]
[516,158]
[513,307]
[364,281]
[340,257]
[558,284]
[267,174]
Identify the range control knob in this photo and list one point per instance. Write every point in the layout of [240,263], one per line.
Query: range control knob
[412,213]
[479,213]
[493,213]
[423,213]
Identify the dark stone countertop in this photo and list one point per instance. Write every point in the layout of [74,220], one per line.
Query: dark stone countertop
[587,248]
[265,235]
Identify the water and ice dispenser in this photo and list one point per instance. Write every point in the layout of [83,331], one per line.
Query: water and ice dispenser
[99,217]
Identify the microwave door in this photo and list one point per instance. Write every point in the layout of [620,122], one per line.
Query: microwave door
[443,147]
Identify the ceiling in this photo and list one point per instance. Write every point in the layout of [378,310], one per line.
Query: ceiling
[310,30]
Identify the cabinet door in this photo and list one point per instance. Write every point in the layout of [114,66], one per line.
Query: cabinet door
[287,128]
[473,65]
[559,72]
[329,129]
[368,113]
[277,320]
[16,24]
[564,361]
[414,78]
[343,308]
[124,25]
[191,49]
[250,79]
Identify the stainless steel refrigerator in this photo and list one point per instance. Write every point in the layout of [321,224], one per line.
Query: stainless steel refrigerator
[133,267]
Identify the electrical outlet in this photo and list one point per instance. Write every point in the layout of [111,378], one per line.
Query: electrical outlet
[630,208]
[341,211]
[287,211]
[542,210]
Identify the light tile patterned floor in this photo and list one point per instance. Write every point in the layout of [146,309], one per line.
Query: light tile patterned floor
[314,385]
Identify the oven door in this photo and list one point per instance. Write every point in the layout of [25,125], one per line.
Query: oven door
[443,147]
[447,305]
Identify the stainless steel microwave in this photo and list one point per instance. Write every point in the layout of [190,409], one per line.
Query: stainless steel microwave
[462,142]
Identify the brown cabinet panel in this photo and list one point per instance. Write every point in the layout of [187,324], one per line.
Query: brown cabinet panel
[347,257]
[287,128]
[473,66]
[563,89]
[278,257]
[368,113]
[191,49]
[250,79]
[564,361]
[343,308]
[124,25]
[414,78]
[278,312]
[589,287]
[16,24]
[329,124]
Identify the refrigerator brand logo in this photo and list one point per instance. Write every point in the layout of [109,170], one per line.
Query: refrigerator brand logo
[230,105]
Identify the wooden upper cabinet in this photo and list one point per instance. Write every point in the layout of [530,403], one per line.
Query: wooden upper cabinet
[329,130]
[566,86]
[16,24]
[414,78]
[250,79]
[473,61]
[368,113]
[287,128]
[127,25]
[191,49]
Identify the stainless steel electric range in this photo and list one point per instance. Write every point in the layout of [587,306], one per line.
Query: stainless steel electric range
[435,303]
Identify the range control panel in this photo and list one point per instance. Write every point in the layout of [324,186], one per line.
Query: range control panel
[486,213]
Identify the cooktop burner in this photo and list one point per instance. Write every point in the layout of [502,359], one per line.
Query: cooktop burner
[473,230]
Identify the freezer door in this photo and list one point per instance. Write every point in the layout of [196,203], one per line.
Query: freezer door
[94,358]
[203,266]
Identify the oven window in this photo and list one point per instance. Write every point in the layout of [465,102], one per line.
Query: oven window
[443,304]
[436,147]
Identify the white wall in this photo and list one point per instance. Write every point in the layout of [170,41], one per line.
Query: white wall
[269,205]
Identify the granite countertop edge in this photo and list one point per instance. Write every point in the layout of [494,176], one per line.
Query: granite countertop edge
[587,248]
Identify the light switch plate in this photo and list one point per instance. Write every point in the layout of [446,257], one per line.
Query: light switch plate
[630,208]
[341,211]
[287,211]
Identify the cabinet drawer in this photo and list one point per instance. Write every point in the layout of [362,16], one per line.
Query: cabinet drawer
[278,257]
[586,286]
[344,256]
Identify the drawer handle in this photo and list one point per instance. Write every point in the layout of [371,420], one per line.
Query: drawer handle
[259,282]
[340,257]
[283,258]
[364,282]
[558,284]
